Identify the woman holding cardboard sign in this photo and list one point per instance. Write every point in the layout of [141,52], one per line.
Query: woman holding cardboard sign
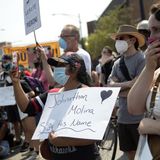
[70,72]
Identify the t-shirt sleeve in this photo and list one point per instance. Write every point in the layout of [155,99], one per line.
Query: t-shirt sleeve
[113,73]
[140,65]
[36,104]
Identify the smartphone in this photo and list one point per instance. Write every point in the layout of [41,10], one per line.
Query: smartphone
[14,61]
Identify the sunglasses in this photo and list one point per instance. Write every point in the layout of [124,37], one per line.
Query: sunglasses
[120,38]
[67,35]
[126,37]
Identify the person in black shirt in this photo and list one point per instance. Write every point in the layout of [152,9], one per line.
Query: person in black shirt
[107,61]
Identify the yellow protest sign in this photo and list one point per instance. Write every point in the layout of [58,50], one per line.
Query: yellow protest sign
[27,54]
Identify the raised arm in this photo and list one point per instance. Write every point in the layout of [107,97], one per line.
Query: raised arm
[20,96]
[46,67]
[138,94]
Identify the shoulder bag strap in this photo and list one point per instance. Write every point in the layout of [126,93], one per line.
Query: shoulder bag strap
[154,92]
[124,69]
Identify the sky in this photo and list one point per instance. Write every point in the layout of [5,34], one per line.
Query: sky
[54,15]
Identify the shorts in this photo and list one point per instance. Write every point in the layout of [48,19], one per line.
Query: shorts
[12,113]
[128,136]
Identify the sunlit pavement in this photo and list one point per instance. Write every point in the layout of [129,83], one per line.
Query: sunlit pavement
[119,154]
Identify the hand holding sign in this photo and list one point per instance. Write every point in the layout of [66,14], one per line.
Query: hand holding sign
[105,94]
[78,113]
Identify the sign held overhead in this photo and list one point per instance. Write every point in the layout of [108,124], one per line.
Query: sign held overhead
[31,15]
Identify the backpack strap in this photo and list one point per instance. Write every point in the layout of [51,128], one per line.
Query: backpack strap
[124,69]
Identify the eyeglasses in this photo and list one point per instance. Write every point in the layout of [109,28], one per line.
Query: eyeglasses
[124,37]
[67,35]
[120,38]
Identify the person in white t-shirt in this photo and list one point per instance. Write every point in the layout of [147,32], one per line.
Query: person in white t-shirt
[69,42]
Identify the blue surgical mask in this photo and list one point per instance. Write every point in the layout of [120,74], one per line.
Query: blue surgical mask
[62,43]
[60,75]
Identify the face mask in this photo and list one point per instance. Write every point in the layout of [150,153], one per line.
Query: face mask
[62,43]
[7,66]
[121,46]
[60,76]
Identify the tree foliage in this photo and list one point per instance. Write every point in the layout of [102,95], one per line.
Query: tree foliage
[105,26]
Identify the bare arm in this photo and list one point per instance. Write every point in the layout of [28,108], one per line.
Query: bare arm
[46,66]
[20,96]
[124,85]
[3,131]
[149,126]
[139,92]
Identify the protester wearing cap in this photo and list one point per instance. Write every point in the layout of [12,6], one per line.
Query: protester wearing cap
[70,72]
[127,43]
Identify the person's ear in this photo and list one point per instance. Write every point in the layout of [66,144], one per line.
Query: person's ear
[133,40]
[72,69]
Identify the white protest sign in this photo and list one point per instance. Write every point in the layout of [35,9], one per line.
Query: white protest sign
[31,15]
[7,97]
[143,151]
[80,113]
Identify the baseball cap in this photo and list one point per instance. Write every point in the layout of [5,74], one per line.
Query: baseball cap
[66,59]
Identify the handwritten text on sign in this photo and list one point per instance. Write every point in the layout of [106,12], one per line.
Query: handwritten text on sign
[81,113]
[31,15]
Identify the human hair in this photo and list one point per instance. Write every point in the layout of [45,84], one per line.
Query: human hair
[72,29]
[108,49]
[82,75]
[154,8]
[6,57]
[136,44]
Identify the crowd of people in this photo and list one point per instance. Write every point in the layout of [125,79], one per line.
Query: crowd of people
[134,67]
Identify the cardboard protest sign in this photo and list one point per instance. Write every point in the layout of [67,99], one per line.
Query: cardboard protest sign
[31,15]
[80,113]
[7,97]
